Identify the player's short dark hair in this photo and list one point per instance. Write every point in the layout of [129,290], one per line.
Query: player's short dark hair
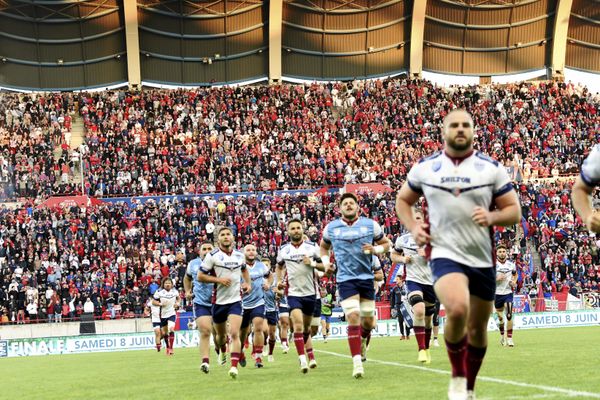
[225,228]
[207,242]
[348,196]
[291,221]
[501,246]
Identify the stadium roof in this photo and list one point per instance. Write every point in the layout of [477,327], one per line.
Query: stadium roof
[75,44]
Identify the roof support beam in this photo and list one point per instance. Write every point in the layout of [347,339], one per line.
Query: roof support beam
[417,29]
[132,41]
[559,41]
[275,39]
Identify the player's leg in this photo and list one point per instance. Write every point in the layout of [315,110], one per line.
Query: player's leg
[284,331]
[367,324]
[272,333]
[479,315]
[308,320]
[164,334]
[220,336]
[401,324]
[171,332]
[220,349]
[429,311]
[415,299]
[509,322]
[265,329]
[157,336]
[351,305]
[258,340]
[500,313]
[324,327]
[367,314]
[298,327]
[482,287]
[316,320]
[244,333]
[204,324]
[219,314]
[452,289]
[234,319]
[436,324]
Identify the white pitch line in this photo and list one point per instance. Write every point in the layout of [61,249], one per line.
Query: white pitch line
[568,392]
[533,396]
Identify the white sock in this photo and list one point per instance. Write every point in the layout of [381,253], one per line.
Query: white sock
[303,359]
[357,360]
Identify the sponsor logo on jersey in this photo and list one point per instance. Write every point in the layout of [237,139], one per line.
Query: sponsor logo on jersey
[456,179]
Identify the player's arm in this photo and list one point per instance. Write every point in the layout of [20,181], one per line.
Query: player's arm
[324,249]
[397,256]
[407,196]
[507,210]
[268,280]
[310,262]
[204,276]
[382,243]
[177,301]
[514,279]
[377,269]
[581,196]
[156,300]
[247,284]
[280,271]
[187,283]
[315,261]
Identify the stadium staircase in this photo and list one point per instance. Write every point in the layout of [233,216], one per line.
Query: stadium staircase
[77,138]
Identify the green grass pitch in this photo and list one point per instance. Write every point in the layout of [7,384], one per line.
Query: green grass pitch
[544,364]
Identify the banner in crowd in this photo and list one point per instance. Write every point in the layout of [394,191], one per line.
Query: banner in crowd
[134,341]
[557,319]
[521,303]
[259,195]
[591,300]
[359,188]
[89,344]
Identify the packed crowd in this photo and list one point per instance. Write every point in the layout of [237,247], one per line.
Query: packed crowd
[36,158]
[57,263]
[296,136]
[53,260]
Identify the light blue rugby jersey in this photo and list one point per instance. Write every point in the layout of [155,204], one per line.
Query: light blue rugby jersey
[347,241]
[203,292]
[270,302]
[258,273]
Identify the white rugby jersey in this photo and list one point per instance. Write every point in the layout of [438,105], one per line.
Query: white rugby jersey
[590,169]
[225,266]
[167,300]
[301,278]
[417,270]
[154,311]
[504,275]
[452,190]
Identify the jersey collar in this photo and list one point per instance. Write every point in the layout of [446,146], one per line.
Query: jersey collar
[457,160]
[350,223]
